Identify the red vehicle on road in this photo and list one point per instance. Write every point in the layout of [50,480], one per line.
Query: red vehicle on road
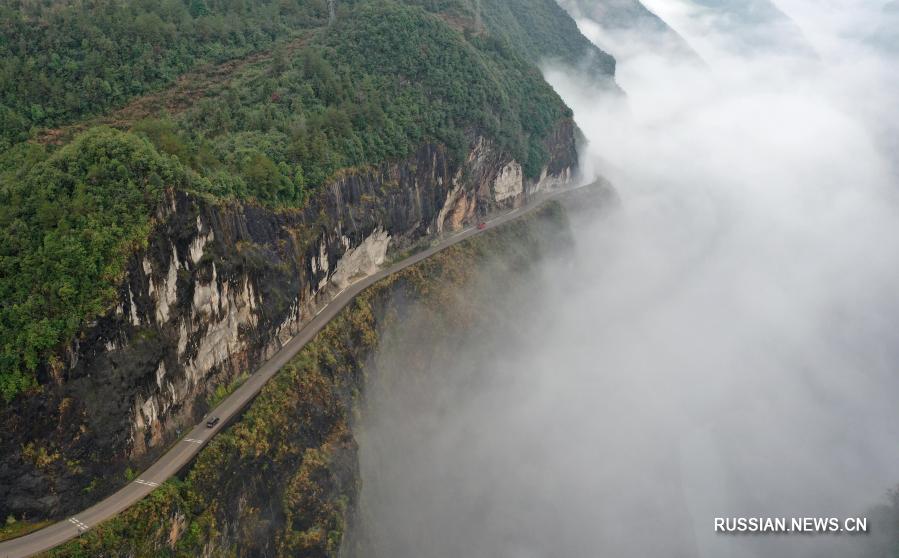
[482,225]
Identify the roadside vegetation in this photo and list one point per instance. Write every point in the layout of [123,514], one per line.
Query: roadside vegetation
[12,528]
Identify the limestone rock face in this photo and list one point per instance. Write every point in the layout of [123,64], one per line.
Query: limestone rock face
[509,183]
[218,289]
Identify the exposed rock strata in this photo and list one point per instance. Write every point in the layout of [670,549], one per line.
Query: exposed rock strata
[218,289]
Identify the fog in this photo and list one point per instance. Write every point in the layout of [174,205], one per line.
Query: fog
[726,343]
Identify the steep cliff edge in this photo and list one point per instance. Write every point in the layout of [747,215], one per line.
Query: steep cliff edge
[152,257]
[283,480]
[219,288]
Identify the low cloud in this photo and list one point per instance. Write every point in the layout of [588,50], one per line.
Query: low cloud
[726,344]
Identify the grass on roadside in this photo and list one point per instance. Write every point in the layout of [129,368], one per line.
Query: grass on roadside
[223,391]
[13,528]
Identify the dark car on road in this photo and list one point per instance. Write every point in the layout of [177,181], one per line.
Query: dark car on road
[212,422]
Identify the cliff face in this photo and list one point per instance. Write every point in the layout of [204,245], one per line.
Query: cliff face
[218,289]
[283,480]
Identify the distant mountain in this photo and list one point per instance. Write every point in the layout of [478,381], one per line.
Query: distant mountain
[886,35]
[617,17]
[754,26]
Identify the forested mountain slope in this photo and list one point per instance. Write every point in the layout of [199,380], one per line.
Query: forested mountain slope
[65,60]
[186,214]
[384,79]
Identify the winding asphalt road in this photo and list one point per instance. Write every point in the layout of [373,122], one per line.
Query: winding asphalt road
[189,446]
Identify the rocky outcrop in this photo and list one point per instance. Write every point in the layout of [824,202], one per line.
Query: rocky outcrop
[218,289]
[285,480]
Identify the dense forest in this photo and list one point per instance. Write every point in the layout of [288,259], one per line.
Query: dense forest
[66,226]
[64,60]
[314,98]
[539,30]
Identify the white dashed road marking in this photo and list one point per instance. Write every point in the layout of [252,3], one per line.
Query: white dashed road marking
[193,440]
[81,525]
[148,483]
[322,309]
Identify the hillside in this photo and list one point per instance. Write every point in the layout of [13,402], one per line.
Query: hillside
[68,60]
[353,94]
[63,61]
[163,236]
